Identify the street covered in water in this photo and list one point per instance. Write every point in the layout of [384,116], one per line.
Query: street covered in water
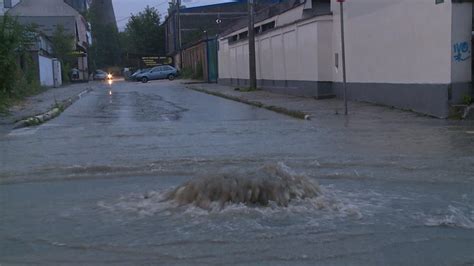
[93,185]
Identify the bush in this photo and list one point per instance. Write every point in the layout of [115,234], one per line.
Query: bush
[468,100]
[15,82]
[189,73]
[199,74]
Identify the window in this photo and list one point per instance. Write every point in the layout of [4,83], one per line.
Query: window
[243,35]
[268,26]
[7,3]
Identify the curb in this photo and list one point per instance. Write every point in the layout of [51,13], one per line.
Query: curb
[277,109]
[51,114]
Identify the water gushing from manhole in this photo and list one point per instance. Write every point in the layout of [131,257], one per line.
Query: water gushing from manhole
[272,183]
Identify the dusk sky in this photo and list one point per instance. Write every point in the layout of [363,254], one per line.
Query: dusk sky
[123,8]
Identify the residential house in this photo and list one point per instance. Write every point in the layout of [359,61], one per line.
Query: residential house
[413,55]
[47,15]
[48,67]
[5,5]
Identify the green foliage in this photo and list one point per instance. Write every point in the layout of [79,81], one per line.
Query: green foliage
[105,50]
[468,100]
[63,47]
[18,76]
[190,73]
[199,74]
[63,44]
[186,73]
[144,33]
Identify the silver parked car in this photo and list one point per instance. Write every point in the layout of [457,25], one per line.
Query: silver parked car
[159,72]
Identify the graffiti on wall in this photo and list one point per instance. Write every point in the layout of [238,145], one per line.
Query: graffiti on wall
[461,51]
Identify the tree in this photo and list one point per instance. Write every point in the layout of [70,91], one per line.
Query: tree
[105,50]
[14,42]
[144,33]
[63,48]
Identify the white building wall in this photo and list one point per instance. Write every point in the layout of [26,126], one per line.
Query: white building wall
[293,52]
[461,51]
[395,41]
[290,16]
[46,71]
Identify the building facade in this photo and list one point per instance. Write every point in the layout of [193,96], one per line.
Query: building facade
[6,5]
[47,15]
[413,55]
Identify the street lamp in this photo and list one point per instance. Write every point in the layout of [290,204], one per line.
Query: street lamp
[218,22]
[344,79]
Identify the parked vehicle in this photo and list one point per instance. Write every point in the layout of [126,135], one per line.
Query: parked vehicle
[159,72]
[100,75]
[136,73]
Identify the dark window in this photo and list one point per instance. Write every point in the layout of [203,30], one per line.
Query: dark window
[7,3]
[243,35]
[268,26]
[258,30]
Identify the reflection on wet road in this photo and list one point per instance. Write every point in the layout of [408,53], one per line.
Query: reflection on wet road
[401,194]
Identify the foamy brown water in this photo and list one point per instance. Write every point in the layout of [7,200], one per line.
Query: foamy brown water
[275,183]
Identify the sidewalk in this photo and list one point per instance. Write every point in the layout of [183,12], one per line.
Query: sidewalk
[320,110]
[42,103]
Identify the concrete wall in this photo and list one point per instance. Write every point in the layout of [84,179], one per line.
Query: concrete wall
[408,54]
[404,46]
[294,59]
[395,41]
[45,65]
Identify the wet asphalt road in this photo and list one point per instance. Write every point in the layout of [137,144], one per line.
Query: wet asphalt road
[396,191]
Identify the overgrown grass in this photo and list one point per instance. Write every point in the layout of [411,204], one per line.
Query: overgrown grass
[18,75]
[189,73]
[468,100]
[22,90]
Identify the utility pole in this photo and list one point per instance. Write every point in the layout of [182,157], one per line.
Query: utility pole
[252,62]
[343,47]
[178,13]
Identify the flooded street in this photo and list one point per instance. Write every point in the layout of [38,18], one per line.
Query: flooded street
[92,186]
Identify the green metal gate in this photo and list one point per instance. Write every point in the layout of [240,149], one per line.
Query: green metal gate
[212,66]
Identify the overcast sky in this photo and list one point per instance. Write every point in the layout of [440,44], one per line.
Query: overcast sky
[123,8]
